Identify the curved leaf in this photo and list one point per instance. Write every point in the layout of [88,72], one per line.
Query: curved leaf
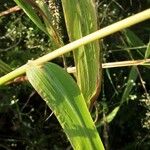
[63,96]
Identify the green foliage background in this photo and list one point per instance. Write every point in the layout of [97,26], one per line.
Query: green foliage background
[25,120]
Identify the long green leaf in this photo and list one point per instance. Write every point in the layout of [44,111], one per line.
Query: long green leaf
[63,96]
[28,9]
[46,24]
[80,18]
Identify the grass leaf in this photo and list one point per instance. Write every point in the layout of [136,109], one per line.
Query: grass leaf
[110,116]
[4,68]
[31,8]
[147,53]
[129,85]
[132,40]
[48,18]
[28,9]
[63,96]
[80,18]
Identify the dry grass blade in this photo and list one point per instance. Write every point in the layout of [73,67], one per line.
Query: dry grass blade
[81,20]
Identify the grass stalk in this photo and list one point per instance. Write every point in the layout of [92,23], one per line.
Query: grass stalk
[125,63]
[104,66]
[10,10]
[116,64]
[125,23]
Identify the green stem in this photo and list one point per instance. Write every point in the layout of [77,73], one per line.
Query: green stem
[144,15]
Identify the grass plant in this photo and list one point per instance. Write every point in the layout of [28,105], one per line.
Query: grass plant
[71,101]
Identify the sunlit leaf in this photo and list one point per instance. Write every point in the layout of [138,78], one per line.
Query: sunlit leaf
[63,96]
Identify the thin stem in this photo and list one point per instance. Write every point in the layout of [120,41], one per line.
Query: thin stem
[80,42]
[10,10]
[117,64]
[125,63]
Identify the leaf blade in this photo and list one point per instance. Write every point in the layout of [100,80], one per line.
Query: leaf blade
[147,53]
[31,8]
[31,14]
[81,20]
[63,96]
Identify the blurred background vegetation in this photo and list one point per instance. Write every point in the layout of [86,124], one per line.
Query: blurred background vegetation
[26,122]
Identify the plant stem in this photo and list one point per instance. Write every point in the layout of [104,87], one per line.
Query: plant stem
[117,64]
[144,15]
[126,63]
[10,10]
